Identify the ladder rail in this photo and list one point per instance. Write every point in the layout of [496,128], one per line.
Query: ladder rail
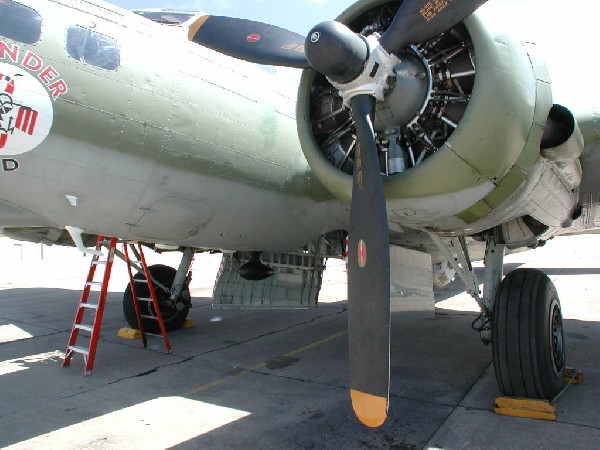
[140,270]
[134,294]
[100,311]
[89,353]
[161,323]
[79,314]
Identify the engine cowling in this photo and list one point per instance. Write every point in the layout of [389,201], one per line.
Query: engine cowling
[459,133]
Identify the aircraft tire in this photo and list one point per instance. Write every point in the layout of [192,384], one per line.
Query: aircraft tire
[527,336]
[172,318]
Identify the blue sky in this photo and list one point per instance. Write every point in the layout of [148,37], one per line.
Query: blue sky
[565,31]
[295,15]
[540,19]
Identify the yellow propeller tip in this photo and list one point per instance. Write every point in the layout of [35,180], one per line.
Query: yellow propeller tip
[370,409]
[196,26]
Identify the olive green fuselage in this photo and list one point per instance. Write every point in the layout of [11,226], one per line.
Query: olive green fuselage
[178,145]
[181,145]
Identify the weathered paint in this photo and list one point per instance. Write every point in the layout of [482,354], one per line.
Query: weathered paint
[178,145]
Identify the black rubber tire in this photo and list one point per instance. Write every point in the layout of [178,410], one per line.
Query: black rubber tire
[172,318]
[527,336]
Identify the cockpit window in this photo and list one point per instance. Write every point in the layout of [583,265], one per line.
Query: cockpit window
[19,22]
[167,17]
[93,48]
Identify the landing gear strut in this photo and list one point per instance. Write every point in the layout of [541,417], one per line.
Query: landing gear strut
[520,316]
[461,263]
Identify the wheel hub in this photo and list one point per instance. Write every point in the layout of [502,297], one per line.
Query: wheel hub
[557,339]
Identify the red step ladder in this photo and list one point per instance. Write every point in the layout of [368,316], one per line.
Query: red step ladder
[79,324]
[152,299]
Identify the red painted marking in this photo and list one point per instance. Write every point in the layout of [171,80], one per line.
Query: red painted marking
[362,254]
[34,117]
[20,119]
[26,120]
[346,250]
[253,38]
[10,84]
[12,52]
[3,140]
[10,88]
[57,88]
[32,61]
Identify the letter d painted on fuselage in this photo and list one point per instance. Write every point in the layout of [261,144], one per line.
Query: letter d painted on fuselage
[9,165]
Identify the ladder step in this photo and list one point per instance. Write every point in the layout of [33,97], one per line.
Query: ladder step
[88,305]
[83,351]
[91,339]
[160,336]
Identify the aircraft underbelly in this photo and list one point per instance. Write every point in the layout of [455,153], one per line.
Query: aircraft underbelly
[12,216]
[104,191]
[179,149]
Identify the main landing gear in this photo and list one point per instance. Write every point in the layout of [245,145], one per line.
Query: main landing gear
[527,336]
[172,291]
[521,318]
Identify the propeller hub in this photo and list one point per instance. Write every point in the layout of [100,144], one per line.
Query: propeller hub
[409,94]
[336,51]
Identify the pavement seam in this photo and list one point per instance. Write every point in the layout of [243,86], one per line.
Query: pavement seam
[338,386]
[196,356]
[458,406]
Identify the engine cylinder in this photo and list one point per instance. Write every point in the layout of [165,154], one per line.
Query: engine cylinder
[486,158]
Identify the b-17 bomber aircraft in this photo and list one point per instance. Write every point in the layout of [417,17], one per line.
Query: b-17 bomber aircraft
[419,132]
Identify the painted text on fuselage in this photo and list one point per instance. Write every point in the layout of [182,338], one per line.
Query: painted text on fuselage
[32,62]
[9,165]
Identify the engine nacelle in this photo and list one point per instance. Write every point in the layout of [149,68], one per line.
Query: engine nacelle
[459,134]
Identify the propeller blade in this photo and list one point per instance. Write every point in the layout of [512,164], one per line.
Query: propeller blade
[250,41]
[368,276]
[420,20]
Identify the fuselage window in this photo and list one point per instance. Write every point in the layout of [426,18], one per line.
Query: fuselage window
[19,22]
[93,48]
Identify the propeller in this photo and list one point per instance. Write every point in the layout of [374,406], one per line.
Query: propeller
[368,276]
[359,68]
[251,41]
[421,20]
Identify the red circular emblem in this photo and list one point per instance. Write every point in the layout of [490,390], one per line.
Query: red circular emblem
[253,37]
[362,254]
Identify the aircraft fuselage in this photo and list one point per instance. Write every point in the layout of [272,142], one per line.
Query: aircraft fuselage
[176,144]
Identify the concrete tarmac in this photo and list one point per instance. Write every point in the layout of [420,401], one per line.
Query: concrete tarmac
[277,379]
